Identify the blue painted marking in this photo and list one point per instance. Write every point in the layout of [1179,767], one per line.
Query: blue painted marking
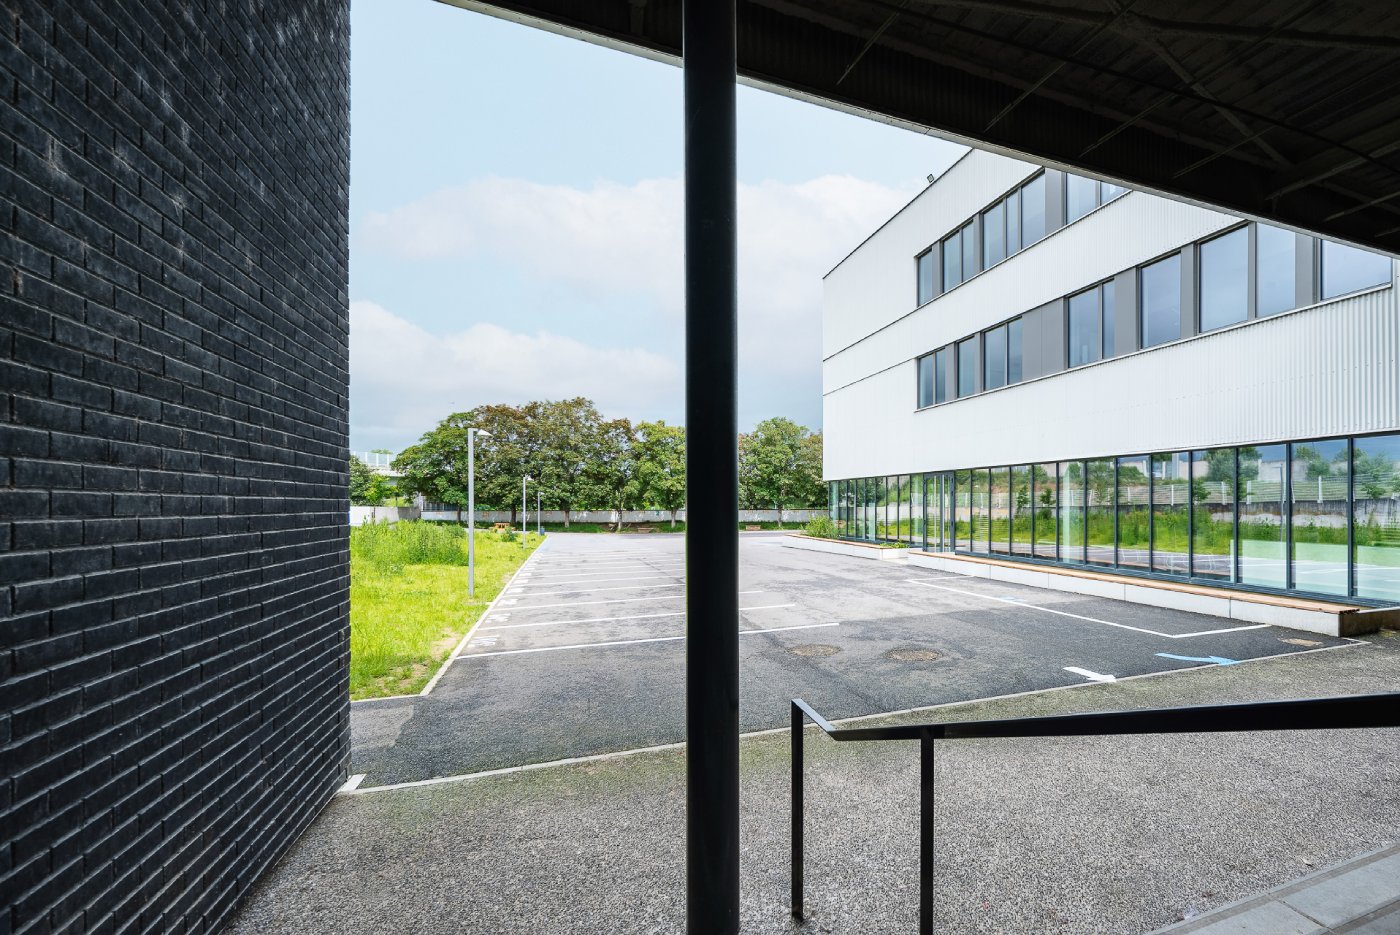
[1218,660]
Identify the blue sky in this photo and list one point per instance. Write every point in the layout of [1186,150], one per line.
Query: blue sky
[515,210]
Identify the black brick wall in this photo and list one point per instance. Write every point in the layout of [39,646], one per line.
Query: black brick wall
[173,379]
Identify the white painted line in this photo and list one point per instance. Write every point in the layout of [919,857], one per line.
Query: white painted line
[678,613]
[467,637]
[353,783]
[1091,676]
[629,587]
[653,639]
[661,748]
[1019,602]
[552,582]
[615,600]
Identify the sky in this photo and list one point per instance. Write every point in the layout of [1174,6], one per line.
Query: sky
[515,224]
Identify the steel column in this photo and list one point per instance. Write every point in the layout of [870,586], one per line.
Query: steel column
[712,486]
[926,834]
[797,820]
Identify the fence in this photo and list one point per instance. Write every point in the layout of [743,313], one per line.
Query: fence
[359,515]
[446,511]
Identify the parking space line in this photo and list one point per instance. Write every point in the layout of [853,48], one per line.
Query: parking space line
[614,600]
[1064,613]
[606,577]
[652,639]
[676,613]
[627,587]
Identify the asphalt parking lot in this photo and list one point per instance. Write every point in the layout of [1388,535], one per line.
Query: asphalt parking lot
[584,653]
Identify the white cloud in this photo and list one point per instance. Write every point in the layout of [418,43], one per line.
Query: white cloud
[404,378]
[614,240]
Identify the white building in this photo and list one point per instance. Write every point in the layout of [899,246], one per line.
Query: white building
[1053,369]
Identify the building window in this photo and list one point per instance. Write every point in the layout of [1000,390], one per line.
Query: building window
[1134,510]
[1013,222]
[994,247]
[1045,491]
[940,375]
[1085,317]
[1275,270]
[1347,269]
[1159,287]
[926,380]
[923,265]
[952,261]
[1098,523]
[967,367]
[1072,512]
[1224,280]
[1171,512]
[1213,514]
[1033,210]
[1107,309]
[1263,515]
[969,253]
[994,358]
[1319,481]
[1081,196]
[1376,516]
[1013,351]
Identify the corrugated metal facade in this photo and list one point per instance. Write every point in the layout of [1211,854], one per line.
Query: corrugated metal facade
[1329,369]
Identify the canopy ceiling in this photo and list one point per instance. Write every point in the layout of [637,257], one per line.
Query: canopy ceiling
[1285,111]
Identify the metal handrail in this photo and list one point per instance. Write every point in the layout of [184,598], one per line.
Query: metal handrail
[1352,711]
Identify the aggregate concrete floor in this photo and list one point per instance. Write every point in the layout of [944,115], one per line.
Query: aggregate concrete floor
[584,653]
[1076,835]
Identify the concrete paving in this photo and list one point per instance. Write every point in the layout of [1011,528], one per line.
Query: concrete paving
[1076,835]
[584,652]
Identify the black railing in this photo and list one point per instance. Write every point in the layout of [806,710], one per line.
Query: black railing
[1355,711]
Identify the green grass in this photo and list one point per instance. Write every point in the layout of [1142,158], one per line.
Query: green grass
[408,599]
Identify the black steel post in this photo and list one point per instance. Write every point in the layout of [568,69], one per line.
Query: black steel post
[712,487]
[797,809]
[926,835]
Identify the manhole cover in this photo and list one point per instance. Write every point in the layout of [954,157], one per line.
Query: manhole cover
[912,655]
[815,649]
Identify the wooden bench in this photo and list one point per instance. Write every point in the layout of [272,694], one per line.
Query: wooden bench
[501,527]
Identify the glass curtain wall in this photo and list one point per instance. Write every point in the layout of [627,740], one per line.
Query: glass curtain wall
[1000,509]
[1045,495]
[1319,481]
[1020,504]
[1134,513]
[1072,511]
[962,510]
[1098,518]
[1171,513]
[1263,486]
[1213,514]
[917,513]
[1376,515]
[981,510]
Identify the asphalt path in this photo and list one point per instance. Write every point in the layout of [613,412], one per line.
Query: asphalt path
[584,653]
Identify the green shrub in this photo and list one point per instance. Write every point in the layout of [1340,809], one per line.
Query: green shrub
[821,527]
[391,546]
[507,535]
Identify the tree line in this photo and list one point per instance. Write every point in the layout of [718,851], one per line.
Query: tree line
[578,460]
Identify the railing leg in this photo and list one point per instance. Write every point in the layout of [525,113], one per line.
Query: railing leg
[926,835]
[797,822]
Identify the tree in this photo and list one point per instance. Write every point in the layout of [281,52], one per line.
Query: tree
[778,464]
[614,470]
[361,482]
[661,466]
[565,439]
[436,467]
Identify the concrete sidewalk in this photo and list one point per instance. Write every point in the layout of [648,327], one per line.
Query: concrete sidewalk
[1080,835]
[1358,897]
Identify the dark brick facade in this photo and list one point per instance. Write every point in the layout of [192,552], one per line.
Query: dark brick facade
[173,380]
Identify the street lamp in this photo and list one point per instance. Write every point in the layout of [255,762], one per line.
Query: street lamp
[524,512]
[539,530]
[471,508]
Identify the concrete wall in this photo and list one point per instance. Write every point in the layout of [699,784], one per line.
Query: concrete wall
[359,515]
[173,380]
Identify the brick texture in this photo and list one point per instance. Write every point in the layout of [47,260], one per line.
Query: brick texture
[173,389]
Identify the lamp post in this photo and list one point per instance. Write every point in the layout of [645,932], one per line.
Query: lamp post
[471,508]
[539,530]
[524,512]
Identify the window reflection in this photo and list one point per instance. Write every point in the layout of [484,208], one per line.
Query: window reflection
[1134,541]
[1020,509]
[994,358]
[967,367]
[1098,521]
[1347,269]
[1376,515]
[1160,287]
[1319,481]
[1045,497]
[1224,273]
[1260,486]
[1071,504]
[1276,270]
[1171,513]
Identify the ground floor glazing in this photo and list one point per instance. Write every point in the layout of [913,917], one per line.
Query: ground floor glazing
[1316,517]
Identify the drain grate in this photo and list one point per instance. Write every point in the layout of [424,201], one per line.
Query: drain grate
[815,649]
[912,655]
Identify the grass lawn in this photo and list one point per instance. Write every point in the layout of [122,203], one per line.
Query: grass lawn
[661,525]
[408,599]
